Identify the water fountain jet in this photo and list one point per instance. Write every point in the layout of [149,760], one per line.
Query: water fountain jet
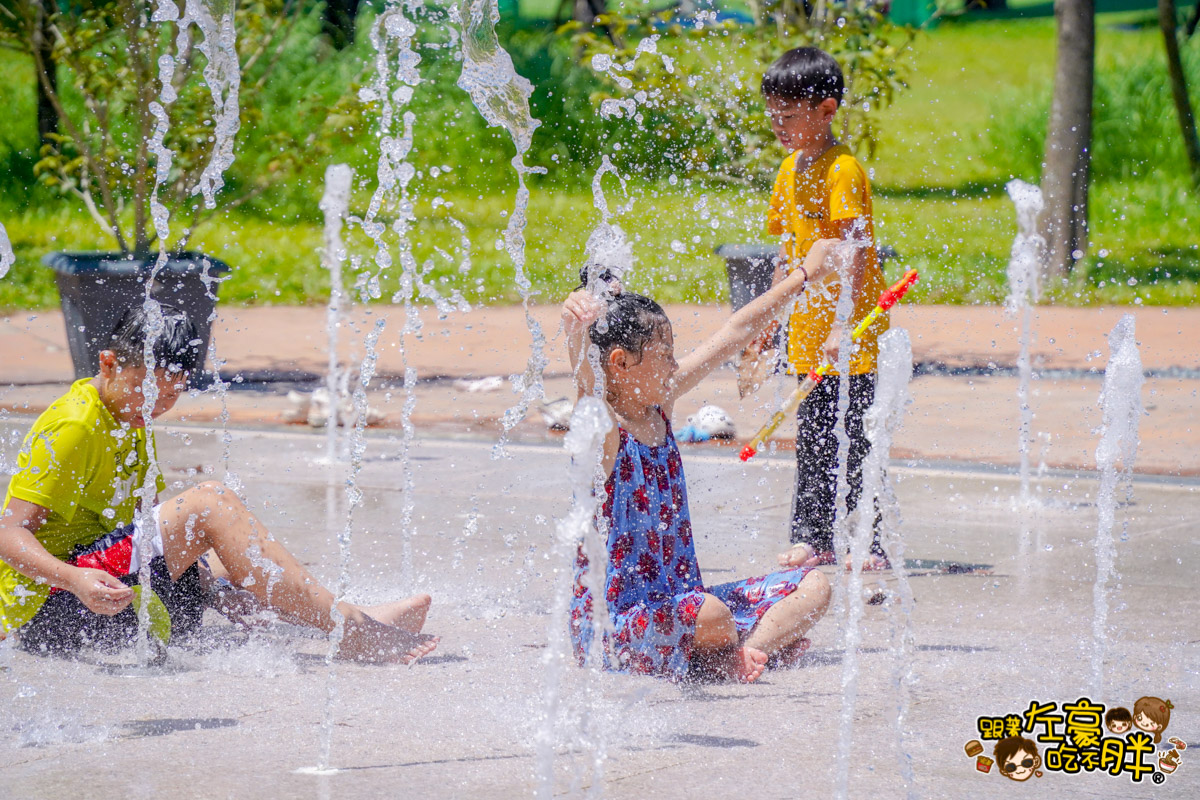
[881,421]
[1024,275]
[1121,407]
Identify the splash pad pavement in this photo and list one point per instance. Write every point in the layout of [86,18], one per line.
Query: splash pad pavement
[1002,611]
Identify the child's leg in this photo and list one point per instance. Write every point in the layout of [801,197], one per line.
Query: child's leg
[789,619]
[716,644]
[862,394]
[212,516]
[816,468]
[240,605]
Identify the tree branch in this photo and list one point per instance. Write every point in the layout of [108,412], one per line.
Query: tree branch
[106,199]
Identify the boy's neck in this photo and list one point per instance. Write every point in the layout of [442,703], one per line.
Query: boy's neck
[112,404]
[811,152]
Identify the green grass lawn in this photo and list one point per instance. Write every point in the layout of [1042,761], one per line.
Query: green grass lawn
[978,94]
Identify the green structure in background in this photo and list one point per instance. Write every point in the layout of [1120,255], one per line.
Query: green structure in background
[911,12]
[920,12]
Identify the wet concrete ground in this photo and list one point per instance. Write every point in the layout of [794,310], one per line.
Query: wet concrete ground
[241,716]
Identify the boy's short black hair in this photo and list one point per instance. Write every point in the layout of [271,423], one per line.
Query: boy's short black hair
[176,347]
[805,73]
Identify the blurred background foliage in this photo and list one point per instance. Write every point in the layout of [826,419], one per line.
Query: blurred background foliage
[943,117]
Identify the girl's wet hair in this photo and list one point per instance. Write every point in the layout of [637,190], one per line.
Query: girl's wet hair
[606,275]
[630,322]
[176,347]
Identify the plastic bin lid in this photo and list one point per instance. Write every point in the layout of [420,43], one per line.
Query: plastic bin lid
[754,251]
[183,263]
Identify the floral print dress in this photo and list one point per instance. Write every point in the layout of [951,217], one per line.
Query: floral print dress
[653,584]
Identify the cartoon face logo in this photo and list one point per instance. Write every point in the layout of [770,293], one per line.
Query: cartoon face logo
[1152,715]
[1118,720]
[1017,758]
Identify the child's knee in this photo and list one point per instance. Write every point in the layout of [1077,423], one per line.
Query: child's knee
[816,586]
[714,624]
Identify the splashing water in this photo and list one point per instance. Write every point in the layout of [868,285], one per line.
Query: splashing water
[219,46]
[881,421]
[335,204]
[354,497]
[584,442]
[1121,408]
[1024,274]
[842,604]
[502,97]
[7,258]
[607,248]
[161,216]
[223,76]
[395,66]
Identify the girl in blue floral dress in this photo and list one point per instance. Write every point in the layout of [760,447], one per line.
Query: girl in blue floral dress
[664,620]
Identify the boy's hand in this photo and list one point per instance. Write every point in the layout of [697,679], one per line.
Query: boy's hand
[100,592]
[579,311]
[833,345]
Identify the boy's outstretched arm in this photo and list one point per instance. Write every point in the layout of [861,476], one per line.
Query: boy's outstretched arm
[21,550]
[749,321]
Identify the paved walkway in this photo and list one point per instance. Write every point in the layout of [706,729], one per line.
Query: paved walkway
[240,715]
[968,412]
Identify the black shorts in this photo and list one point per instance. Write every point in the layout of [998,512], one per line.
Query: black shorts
[64,624]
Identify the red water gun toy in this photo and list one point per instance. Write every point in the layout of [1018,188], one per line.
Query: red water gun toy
[888,299]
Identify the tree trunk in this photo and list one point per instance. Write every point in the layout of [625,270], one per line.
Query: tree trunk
[1183,104]
[1193,20]
[1065,170]
[586,11]
[338,22]
[47,117]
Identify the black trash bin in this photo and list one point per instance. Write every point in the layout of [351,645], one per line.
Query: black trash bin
[96,289]
[749,267]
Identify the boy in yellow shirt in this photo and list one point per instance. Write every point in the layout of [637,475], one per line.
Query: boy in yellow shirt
[822,192]
[72,543]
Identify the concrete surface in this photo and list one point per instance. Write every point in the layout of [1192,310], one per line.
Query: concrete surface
[241,716]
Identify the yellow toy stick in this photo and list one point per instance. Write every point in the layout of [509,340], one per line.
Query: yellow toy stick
[886,300]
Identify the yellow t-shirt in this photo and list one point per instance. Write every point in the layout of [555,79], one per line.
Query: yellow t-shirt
[805,206]
[83,466]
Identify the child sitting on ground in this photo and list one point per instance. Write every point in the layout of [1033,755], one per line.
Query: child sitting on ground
[665,621]
[70,547]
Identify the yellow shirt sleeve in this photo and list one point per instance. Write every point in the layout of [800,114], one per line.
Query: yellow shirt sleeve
[55,469]
[777,211]
[847,189]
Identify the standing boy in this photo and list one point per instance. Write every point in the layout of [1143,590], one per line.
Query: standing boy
[822,192]
[70,547]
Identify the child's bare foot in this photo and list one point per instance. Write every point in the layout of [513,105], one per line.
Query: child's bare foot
[745,664]
[407,614]
[804,555]
[789,656]
[796,555]
[372,641]
[874,563]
